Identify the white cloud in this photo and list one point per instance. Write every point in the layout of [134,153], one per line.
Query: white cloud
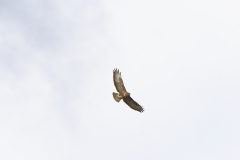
[179,60]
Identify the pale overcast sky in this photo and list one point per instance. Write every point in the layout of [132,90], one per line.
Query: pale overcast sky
[180,60]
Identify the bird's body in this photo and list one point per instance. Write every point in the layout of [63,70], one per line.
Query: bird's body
[122,92]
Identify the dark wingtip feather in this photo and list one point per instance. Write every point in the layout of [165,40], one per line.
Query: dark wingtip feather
[115,70]
[141,111]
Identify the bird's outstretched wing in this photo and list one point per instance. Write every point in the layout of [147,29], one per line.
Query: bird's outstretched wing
[132,104]
[118,82]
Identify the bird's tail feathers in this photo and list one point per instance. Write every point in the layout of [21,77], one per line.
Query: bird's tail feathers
[117,97]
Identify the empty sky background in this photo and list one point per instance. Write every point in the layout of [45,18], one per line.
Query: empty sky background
[179,60]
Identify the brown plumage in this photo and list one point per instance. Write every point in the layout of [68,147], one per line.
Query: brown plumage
[122,92]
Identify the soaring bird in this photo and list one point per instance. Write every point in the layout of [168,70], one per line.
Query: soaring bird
[122,92]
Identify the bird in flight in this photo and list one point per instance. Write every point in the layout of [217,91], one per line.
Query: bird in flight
[122,92]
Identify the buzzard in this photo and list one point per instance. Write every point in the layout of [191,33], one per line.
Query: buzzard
[122,92]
